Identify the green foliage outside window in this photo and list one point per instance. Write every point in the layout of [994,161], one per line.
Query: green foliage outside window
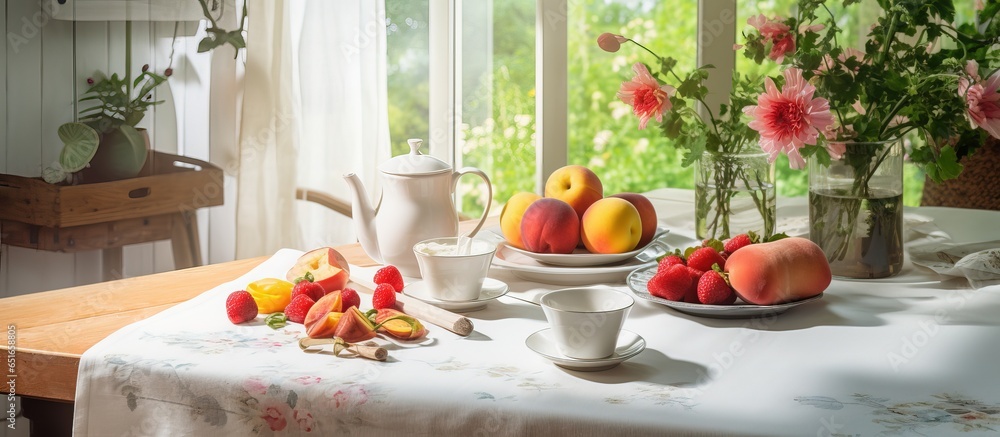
[603,135]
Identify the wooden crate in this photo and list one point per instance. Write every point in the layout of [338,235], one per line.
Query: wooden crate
[174,184]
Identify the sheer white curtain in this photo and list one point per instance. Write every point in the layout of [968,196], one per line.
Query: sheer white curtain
[314,108]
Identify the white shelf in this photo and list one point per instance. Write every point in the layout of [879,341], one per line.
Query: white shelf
[133,10]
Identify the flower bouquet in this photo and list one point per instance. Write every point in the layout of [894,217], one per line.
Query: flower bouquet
[916,82]
[734,182]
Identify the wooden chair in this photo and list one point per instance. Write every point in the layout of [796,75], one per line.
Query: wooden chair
[340,206]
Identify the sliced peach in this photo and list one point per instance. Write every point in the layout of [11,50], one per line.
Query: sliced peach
[328,268]
[354,327]
[399,324]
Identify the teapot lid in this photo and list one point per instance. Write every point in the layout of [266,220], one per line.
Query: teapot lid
[414,163]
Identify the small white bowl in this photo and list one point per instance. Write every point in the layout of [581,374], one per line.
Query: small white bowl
[586,322]
[454,268]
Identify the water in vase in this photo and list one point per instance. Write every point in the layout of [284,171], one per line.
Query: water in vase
[740,209]
[861,237]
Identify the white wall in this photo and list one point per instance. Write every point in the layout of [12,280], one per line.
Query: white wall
[44,64]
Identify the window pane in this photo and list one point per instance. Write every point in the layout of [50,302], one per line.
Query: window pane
[497,102]
[407,60]
[603,133]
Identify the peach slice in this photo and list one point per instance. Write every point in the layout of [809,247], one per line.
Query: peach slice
[322,318]
[328,268]
[399,324]
[354,327]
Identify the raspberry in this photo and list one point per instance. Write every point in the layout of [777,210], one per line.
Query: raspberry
[349,298]
[308,288]
[670,284]
[390,275]
[738,242]
[240,307]
[384,297]
[703,259]
[668,261]
[298,308]
[713,289]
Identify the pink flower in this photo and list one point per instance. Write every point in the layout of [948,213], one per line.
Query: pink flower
[790,118]
[982,98]
[255,386]
[646,95]
[304,419]
[848,53]
[274,417]
[610,42]
[778,34]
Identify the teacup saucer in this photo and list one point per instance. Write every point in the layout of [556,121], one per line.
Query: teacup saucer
[492,289]
[629,345]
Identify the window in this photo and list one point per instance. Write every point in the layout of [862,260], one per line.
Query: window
[462,75]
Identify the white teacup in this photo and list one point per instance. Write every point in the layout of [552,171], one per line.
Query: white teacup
[454,268]
[586,321]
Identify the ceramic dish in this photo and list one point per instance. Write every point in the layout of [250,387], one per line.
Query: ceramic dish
[530,269]
[583,258]
[740,310]
[492,289]
[543,343]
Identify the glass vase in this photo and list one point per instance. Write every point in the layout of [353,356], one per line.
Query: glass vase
[856,209]
[734,194]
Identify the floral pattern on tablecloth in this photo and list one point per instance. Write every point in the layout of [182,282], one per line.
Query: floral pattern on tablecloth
[946,413]
[262,404]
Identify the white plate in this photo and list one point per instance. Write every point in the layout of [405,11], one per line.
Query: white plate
[740,310]
[532,270]
[583,258]
[492,289]
[629,345]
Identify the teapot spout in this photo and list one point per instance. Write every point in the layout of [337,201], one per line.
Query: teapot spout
[364,217]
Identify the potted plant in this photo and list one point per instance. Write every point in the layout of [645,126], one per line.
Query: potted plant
[105,145]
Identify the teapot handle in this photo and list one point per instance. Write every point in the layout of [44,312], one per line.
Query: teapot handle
[489,189]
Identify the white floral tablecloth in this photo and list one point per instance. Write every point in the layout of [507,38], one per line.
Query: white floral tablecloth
[911,355]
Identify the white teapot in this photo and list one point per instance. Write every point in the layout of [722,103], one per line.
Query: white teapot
[417,204]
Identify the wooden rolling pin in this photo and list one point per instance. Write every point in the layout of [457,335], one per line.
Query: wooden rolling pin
[456,323]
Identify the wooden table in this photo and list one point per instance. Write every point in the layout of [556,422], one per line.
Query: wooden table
[55,328]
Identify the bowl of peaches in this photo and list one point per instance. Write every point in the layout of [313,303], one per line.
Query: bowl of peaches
[575,225]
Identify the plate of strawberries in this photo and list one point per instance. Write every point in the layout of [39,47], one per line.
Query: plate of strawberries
[696,281]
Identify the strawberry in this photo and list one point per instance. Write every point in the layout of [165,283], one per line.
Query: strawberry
[670,284]
[738,242]
[308,288]
[298,307]
[668,261]
[703,259]
[714,289]
[692,292]
[350,298]
[384,297]
[240,307]
[390,275]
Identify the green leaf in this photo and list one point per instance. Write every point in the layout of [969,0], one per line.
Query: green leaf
[79,146]
[947,163]
[54,173]
[276,320]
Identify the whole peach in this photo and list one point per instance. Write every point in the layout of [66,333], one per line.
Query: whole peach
[611,225]
[785,270]
[576,185]
[511,215]
[646,212]
[550,226]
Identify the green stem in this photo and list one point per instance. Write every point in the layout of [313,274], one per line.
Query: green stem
[128,62]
